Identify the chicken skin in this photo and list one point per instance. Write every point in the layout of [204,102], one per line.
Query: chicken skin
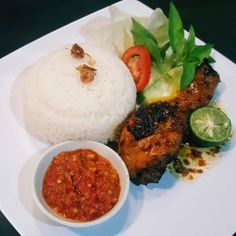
[151,137]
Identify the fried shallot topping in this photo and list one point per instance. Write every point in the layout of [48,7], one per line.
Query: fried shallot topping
[87,73]
[77,51]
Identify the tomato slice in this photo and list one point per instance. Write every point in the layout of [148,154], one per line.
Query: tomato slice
[138,60]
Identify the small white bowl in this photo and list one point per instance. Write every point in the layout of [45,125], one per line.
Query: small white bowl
[101,149]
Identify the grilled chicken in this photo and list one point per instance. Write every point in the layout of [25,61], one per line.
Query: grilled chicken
[151,137]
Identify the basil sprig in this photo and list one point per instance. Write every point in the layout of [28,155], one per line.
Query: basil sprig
[144,37]
[191,55]
[185,52]
[175,29]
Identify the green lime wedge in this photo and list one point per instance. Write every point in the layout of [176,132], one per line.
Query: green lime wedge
[210,126]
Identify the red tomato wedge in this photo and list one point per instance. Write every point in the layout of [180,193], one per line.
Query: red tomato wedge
[138,60]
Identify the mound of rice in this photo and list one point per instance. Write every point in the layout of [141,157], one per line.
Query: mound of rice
[58,106]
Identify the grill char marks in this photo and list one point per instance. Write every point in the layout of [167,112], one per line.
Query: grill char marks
[153,173]
[200,91]
[208,69]
[147,118]
[152,136]
[147,157]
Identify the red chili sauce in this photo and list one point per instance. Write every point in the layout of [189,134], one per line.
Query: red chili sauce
[80,185]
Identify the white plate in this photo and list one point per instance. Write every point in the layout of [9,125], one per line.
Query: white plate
[204,207]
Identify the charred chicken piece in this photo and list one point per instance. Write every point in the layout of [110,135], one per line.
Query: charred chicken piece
[151,137]
[200,91]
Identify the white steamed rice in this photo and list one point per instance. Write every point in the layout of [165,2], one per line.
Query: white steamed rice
[57,106]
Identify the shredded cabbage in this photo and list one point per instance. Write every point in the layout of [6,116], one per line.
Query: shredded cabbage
[113,34]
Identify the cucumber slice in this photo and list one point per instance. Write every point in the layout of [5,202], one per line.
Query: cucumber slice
[162,87]
[210,126]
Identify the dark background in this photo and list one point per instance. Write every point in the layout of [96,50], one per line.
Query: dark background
[22,21]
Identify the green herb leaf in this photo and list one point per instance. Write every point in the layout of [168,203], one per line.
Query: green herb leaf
[145,38]
[190,43]
[193,60]
[188,75]
[176,31]
[150,45]
[163,49]
[138,28]
[211,59]
[178,52]
[140,98]
[201,52]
